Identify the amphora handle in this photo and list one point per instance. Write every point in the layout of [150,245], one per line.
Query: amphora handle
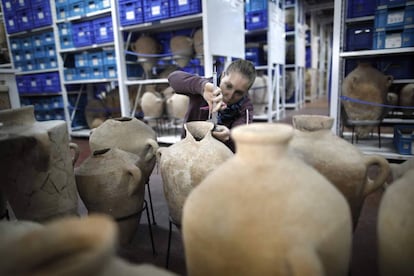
[384,171]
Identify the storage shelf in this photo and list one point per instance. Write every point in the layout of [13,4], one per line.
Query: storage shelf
[90,81]
[360,19]
[167,24]
[147,81]
[85,48]
[381,52]
[29,32]
[37,71]
[85,16]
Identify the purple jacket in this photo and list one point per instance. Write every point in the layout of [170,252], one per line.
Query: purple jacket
[193,86]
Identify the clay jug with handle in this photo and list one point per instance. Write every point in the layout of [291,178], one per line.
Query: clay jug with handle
[266,212]
[339,161]
[186,163]
[109,182]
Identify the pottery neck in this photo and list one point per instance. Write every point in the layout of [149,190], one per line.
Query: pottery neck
[262,141]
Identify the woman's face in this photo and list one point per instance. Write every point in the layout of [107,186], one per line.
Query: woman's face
[234,86]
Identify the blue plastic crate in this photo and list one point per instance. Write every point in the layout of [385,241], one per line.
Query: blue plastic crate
[400,67]
[77,8]
[12,24]
[391,3]
[34,83]
[394,39]
[255,5]
[39,52]
[22,84]
[256,20]
[110,71]
[95,59]
[62,10]
[51,82]
[130,12]
[156,10]
[92,5]
[37,40]
[30,65]
[26,43]
[66,42]
[41,15]
[19,66]
[97,72]
[83,73]
[255,55]
[103,30]
[134,70]
[50,51]
[18,56]
[358,8]
[44,63]
[404,139]
[15,44]
[108,57]
[25,19]
[395,18]
[65,29]
[28,54]
[48,38]
[22,4]
[81,59]
[70,74]
[82,34]
[8,6]
[185,7]
[359,37]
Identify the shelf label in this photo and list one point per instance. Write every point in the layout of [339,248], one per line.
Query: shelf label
[182,2]
[393,41]
[106,3]
[395,17]
[156,10]
[103,32]
[40,15]
[130,15]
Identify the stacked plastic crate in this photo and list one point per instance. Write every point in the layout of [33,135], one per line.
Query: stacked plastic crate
[394,24]
[256,18]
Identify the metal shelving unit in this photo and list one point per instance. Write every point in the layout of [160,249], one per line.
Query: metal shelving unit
[339,57]
[275,67]
[298,36]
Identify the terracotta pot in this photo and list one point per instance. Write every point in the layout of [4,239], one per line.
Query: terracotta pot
[407,98]
[152,104]
[71,246]
[339,161]
[186,163]
[36,161]
[109,182]
[368,84]
[148,48]
[177,106]
[182,49]
[266,212]
[142,140]
[395,228]
[198,42]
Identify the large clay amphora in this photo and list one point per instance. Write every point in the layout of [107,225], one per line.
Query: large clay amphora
[407,98]
[65,247]
[109,182]
[266,212]
[147,48]
[128,134]
[36,165]
[152,104]
[338,160]
[186,163]
[395,228]
[365,83]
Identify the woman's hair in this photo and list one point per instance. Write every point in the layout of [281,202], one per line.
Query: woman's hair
[244,67]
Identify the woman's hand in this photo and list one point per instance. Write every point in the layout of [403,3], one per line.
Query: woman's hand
[221,133]
[213,97]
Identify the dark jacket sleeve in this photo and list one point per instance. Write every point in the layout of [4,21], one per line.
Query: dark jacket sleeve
[186,83]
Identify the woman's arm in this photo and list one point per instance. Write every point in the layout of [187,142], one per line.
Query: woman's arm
[186,83]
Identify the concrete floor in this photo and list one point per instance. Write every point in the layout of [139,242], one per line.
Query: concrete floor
[363,263]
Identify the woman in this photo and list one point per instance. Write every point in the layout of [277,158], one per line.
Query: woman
[230,98]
